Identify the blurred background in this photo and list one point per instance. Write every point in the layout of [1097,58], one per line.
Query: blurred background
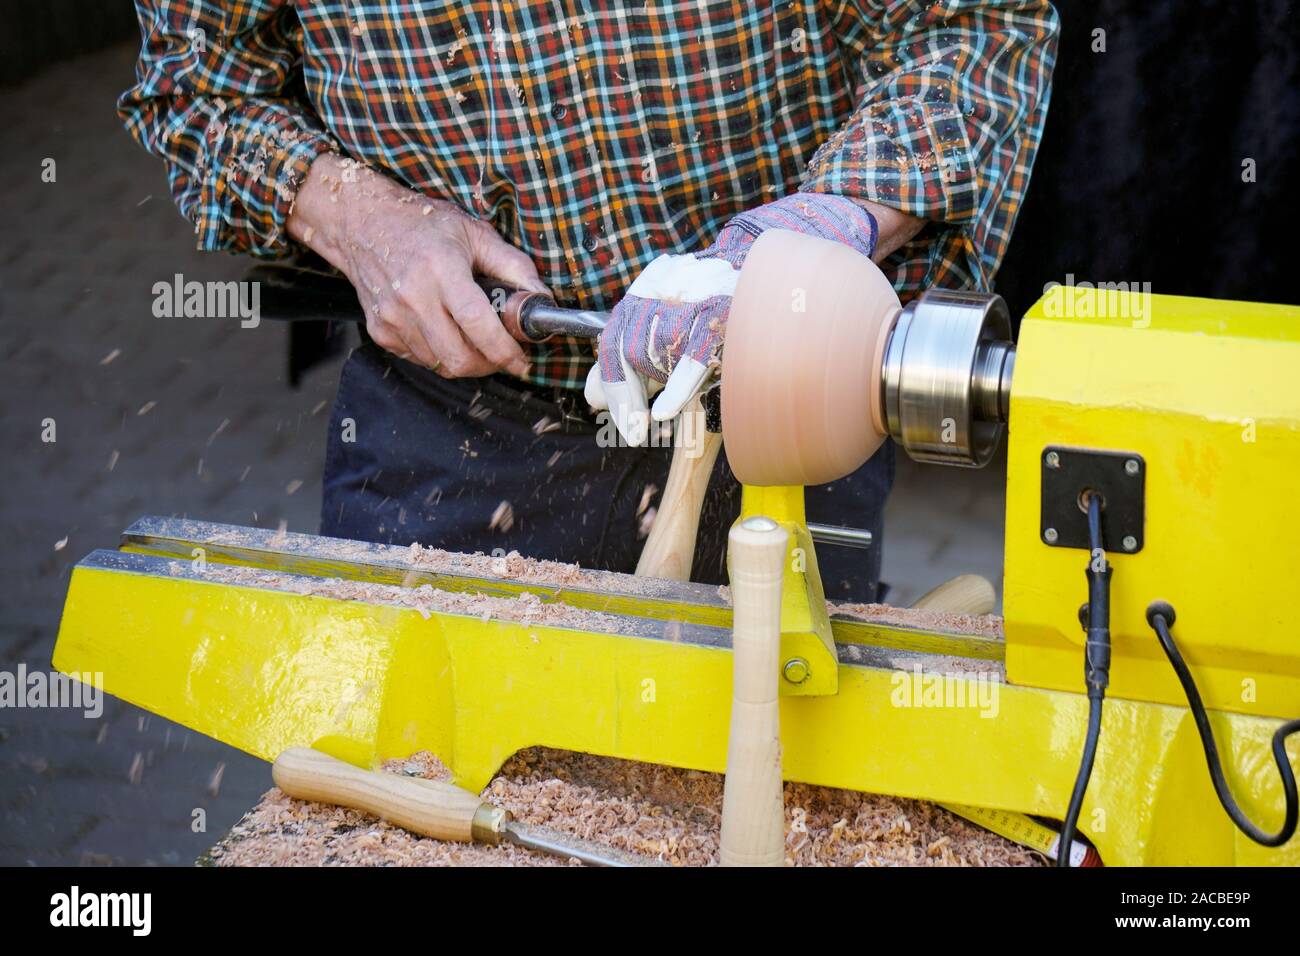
[1139,179]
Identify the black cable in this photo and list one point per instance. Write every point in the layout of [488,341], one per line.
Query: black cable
[1160,616]
[1080,782]
[1096,671]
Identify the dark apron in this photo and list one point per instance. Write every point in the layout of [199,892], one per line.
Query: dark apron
[496,463]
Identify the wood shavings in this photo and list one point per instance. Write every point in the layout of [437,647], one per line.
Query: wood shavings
[281,534]
[663,812]
[647,496]
[503,518]
[984,625]
[214,781]
[535,571]
[526,608]
[136,773]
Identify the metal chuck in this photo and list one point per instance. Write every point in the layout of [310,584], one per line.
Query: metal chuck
[946,380]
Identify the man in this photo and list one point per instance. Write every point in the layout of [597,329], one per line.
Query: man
[561,146]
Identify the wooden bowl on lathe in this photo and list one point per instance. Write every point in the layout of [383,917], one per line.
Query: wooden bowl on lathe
[801,366]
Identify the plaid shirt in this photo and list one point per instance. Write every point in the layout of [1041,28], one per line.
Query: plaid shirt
[596,137]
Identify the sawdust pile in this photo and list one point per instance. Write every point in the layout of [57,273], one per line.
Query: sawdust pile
[669,814]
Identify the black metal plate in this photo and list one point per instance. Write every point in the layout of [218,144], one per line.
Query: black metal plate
[1068,472]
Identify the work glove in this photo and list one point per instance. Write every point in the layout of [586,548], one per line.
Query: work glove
[666,333]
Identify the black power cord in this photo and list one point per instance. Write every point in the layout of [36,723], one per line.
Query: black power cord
[1160,616]
[1095,616]
[1096,670]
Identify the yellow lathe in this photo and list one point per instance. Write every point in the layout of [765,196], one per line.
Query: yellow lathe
[1183,413]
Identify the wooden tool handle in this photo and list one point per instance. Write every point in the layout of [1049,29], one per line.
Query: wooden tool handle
[670,549]
[964,594]
[428,807]
[753,812]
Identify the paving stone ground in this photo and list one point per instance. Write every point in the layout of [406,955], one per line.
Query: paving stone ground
[138,405]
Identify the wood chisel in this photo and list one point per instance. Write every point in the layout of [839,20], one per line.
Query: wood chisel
[431,808]
[297,294]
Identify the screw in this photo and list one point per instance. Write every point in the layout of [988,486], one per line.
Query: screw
[1050,536]
[1053,460]
[1132,467]
[1130,543]
[795,670]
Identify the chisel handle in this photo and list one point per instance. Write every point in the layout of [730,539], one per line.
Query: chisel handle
[753,812]
[964,594]
[428,807]
[670,548]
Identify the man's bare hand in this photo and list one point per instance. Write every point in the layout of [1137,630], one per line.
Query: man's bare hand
[412,260]
[895,228]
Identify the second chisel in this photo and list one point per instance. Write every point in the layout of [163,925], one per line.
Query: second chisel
[430,807]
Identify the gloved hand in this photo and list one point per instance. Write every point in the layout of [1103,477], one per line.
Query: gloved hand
[667,331]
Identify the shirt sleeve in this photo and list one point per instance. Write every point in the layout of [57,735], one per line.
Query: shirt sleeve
[215,98]
[949,114]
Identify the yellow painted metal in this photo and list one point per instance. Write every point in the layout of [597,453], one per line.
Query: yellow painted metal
[805,625]
[256,663]
[1208,393]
